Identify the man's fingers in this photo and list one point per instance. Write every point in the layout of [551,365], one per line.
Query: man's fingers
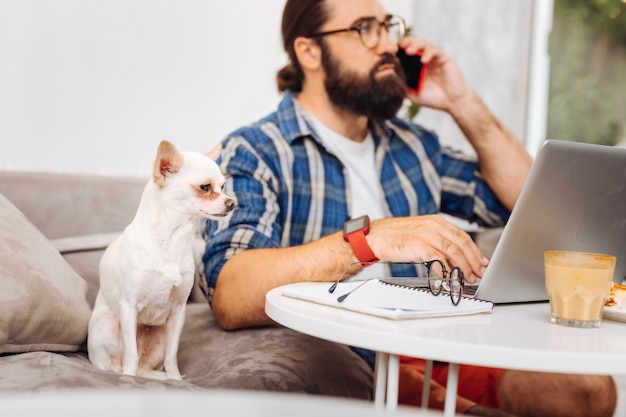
[462,252]
[426,238]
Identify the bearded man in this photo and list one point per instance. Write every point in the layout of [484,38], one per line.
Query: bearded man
[334,152]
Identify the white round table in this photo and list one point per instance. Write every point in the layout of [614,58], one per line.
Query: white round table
[518,336]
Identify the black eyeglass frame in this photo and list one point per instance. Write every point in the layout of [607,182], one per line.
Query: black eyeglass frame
[454,285]
[390,20]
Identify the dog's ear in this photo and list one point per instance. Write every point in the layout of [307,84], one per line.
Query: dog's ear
[215,152]
[167,162]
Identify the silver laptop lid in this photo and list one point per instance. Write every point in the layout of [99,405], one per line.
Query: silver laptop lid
[574,199]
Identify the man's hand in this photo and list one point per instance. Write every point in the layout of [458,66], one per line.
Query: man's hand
[443,84]
[428,237]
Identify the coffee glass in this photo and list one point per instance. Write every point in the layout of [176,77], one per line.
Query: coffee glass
[578,284]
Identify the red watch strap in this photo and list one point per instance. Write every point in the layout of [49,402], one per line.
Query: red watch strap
[360,247]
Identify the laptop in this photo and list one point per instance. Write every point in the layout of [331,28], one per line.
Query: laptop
[574,199]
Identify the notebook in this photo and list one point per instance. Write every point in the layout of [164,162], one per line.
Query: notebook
[574,199]
[384,299]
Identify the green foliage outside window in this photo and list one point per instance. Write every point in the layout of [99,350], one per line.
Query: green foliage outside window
[588,71]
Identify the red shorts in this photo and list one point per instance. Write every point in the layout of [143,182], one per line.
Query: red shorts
[477,384]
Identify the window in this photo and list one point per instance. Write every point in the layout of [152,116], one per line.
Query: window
[587,97]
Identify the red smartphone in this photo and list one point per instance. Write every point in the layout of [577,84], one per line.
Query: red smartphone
[413,69]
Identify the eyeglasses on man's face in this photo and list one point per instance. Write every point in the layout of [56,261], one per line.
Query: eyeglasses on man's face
[432,274]
[369,30]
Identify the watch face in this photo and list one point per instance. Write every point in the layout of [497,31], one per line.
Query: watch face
[355,224]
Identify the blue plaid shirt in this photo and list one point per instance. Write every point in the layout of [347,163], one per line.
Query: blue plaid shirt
[290,190]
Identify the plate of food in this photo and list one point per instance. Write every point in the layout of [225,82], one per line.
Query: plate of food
[615,304]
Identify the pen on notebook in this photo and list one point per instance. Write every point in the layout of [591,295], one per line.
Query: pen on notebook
[343,297]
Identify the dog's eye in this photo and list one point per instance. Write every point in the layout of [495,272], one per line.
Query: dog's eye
[205,187]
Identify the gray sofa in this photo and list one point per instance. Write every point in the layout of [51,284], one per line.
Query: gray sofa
[53,230]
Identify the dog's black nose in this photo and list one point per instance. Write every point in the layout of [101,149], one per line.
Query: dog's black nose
[230,204]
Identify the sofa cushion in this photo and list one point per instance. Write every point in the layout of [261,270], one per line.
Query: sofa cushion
[272,358]
[43,304]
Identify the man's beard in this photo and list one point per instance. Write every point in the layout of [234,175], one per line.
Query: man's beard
[378,99]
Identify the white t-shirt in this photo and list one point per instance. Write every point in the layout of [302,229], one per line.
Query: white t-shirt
[365,194]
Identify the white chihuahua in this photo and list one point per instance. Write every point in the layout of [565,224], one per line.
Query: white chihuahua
[147,273]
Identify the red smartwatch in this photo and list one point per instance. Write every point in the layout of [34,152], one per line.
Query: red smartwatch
[354,231]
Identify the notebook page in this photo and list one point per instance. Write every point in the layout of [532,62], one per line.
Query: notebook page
[385,300]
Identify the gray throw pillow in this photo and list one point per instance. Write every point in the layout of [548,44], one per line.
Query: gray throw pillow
[43,303]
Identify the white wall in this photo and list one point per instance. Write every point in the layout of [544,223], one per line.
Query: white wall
[502,50]
[91,86]
[487,39]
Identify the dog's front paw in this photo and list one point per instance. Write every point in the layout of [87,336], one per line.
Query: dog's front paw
[174,375]
[148,373]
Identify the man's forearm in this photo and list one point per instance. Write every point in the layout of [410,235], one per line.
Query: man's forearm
[239,298]
[504,161]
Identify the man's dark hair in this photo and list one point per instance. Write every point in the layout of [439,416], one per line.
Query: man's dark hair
[300,18]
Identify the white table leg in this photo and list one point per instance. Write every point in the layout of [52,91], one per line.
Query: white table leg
[380,378]
[393,378]
[451,390]
[428,373]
